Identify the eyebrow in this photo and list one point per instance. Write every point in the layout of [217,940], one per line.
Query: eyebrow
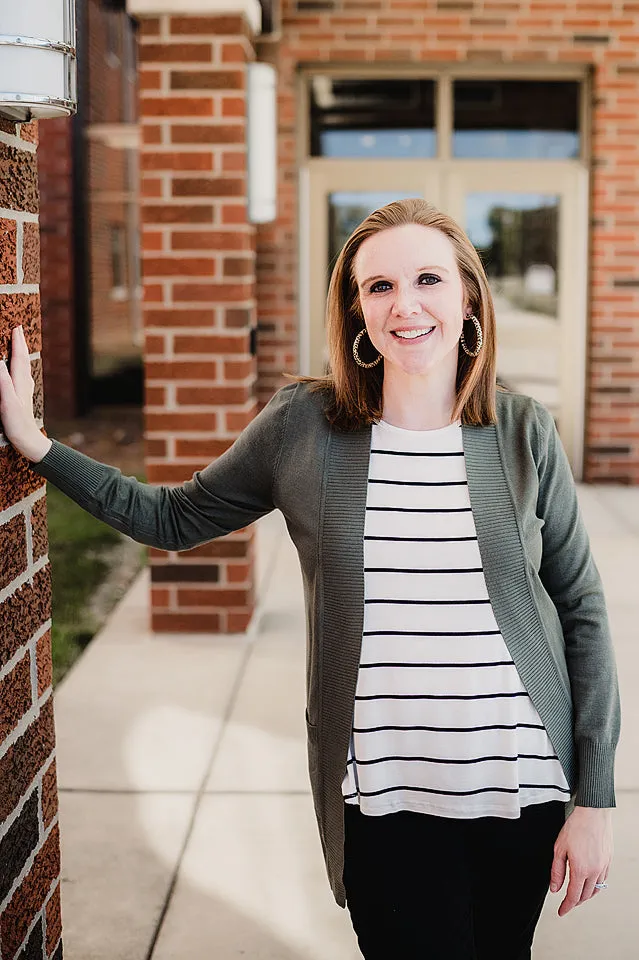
[419,270]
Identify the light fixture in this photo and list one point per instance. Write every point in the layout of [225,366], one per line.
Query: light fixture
[262,142]
[37,59]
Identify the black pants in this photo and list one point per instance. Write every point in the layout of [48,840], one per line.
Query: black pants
[420,887]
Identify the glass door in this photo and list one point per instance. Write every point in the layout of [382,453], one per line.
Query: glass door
[530,228]
[529,224]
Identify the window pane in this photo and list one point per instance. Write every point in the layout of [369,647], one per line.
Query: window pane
[372,118]
[516,119]
[346,210]
[517,237]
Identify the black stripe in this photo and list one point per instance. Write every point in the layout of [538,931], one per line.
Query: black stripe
[432,603]
[441,696]
[423,539]
[410,453]
[447,760]
[490,726]
[420,570]
[465,793]
[431,633]
[424,483]
[543,786]
[422,509]
[495,663]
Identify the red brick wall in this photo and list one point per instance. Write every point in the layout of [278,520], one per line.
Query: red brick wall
[56,285]
[199,293]
[600,33]
[29,836]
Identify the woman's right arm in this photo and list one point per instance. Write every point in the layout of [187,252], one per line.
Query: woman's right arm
[229,494]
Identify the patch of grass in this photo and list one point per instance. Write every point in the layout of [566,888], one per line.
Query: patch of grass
[79,549]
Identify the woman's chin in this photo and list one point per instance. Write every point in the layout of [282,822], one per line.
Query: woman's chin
[409,366]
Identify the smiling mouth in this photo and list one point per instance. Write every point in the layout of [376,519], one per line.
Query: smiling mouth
[420,334]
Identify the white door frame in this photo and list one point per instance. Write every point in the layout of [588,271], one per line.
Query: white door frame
[446,183]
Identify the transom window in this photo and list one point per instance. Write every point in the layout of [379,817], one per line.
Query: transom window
[491,118]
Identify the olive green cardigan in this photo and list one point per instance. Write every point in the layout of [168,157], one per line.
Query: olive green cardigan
[542,581]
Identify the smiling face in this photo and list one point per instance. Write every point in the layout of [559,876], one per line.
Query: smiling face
[412,298]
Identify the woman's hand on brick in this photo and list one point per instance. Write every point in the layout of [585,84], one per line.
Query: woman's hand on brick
[16,402]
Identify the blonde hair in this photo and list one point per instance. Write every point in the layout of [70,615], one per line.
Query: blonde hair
[354,394]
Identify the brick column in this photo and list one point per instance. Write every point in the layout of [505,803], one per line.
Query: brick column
[56,262]
[29,836]
[198,262]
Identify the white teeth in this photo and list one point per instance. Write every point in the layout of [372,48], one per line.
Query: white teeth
[412,334]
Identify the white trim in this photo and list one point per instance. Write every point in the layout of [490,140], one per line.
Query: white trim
[19,288]
[456,68]
[12,141]
[304,264]
[581,240]
[20,216]
[250,8]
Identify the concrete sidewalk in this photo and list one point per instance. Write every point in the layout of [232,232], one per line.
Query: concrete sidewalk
[186,817]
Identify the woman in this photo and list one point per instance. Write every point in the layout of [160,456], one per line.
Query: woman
[462,703]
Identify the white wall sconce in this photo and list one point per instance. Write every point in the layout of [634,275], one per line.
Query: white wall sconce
[262,142]
[37,59]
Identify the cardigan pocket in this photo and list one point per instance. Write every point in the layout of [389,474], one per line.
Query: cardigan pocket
[312,732]
[312,753]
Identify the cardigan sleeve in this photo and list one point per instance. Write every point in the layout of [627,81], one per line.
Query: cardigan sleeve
[230,493]
[571,578]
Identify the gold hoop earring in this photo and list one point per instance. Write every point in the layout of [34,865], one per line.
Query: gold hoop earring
[480,338]
[361,363]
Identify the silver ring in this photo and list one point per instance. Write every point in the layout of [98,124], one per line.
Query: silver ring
[600,886]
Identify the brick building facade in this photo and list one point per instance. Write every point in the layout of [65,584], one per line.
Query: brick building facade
[500,38]
[214,284]
[30,925]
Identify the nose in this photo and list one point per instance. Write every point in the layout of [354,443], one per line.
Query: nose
[406,303]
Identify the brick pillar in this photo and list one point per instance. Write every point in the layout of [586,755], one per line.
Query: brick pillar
[29,836]
[56,263]
[198,263]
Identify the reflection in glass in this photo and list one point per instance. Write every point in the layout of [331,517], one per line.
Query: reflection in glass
[346,210]
[516,235]
[516,119]
[372,118]
[377,143]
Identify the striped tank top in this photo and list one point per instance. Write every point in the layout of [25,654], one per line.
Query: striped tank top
[442,722]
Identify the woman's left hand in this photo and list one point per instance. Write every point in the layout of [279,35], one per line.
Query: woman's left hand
[585,844]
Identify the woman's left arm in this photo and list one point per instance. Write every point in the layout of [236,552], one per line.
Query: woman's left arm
[572,580]
[570,576]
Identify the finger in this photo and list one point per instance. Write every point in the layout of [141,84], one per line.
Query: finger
[5,381]
[558,872]
[589,889]
[21,366]
[600,879]
[573,894]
